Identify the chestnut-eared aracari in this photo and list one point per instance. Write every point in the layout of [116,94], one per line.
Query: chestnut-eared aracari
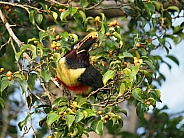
[74,70]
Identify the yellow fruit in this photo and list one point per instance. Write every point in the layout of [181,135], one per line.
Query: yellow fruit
[148,102]
[106,117]
[99,112]
[61,10]
[9,74]
[53,45]
[10,78]
[2,69]
[57,48]
[113,23]
[58,44]
[124,63]
[97,19]
[108,34]
[137,45]
[57,37]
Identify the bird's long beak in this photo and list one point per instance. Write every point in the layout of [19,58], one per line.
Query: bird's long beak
[86,42]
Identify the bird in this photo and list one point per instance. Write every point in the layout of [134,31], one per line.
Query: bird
[74,70]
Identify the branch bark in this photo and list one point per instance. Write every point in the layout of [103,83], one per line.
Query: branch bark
[9,29]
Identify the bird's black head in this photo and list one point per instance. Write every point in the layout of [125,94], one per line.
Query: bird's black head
[79,57]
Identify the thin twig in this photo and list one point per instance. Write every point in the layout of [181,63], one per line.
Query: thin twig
[10,31]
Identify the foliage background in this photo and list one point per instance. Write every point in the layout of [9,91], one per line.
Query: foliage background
[28,31]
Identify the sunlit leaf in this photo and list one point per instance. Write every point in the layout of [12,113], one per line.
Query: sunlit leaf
[137,92]
[64,15]
[79,116]
[4,82]
[108,75]
[31,17]
[51,118]
[97,126]
[122,89]
[84,4]
[69,120]
[39,18]
[174,8]
[46,75]
[54,15]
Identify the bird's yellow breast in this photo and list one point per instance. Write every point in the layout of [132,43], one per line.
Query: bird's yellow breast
[66,75]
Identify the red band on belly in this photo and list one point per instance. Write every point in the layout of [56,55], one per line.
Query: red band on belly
[79,89]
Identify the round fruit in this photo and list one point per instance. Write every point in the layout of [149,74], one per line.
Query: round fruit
[97,19]
[99,112]
[10,78]
[57,48]
[2,69]
[57,37]
[137,45]
[61,10]
[58,44]
[106,117]
[124,63]
[108,34]
[53,45]
[7,7]
[9,74]
[148,102]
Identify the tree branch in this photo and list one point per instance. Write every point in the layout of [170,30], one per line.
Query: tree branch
[10,31]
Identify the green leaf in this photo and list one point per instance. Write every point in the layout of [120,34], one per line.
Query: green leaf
[135,71]
[61,101]
[51,118]
[157,5]
[64,15]
[54,15]
[42,35]
[18,55]
[30,47]
[2,103]
[24,122]
[140,110]
[31,17]
[118,36]
[39,18]
[69,120]
[137,92]
[122,89]
[90,113]
[72,10]
[23,85]
[103,17]
[84,4]
[126,54]
[79,116]
[83,15]
[97,126]
[108,75]
[46,75]
[4,84]
[174,59]
[152,67]
[174,8]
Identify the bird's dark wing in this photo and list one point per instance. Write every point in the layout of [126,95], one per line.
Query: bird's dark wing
[91,77]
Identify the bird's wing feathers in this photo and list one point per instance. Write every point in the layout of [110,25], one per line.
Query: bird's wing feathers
[91,77]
